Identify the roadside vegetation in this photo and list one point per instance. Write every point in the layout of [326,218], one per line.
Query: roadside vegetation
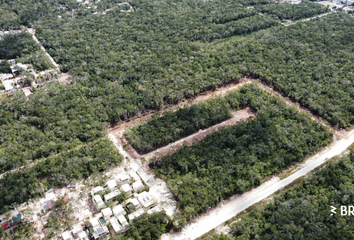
[174,125]
[303,210]
[239,157]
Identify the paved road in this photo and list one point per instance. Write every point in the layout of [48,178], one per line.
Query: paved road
[225,212]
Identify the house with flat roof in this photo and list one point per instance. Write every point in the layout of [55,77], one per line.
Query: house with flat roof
[122,177]
[138,186]
[135,202]
[97,200]
[107,213]
[127,189]
[155,210]
[133,175]
[147,200]
[96,190]
[67,236]
[115,225]
[94,223]
[100,232]
[112,195]
[112,185]
[123,221]
[136,214]
[118,210]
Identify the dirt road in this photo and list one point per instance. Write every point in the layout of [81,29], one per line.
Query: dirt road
[237,204]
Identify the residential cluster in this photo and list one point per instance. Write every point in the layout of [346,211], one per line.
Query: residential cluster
[19,80]
[122,199]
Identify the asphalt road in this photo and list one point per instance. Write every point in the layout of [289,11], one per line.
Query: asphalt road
[225,212]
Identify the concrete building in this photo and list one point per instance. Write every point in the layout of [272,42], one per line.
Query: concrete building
[97,190]
[127,189]
[122,177]
[138,186]
[9,85]
[146,200]
[67,236]
[145,177]
[135,202]
[135,214]
[5,76]
[115,225]
[100,232]
[118,210]
[94,223]
[97,200]
[123,221]
[83,236]
[107,213]
[112,195]
[112,185]
[133,175]
[155,210]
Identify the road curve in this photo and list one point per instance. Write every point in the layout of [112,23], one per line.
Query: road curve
[224,212]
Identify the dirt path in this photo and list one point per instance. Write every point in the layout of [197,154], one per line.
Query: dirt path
[305,20]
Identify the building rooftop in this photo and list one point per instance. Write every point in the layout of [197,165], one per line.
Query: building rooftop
[133,175]
[96,190]
[115,225]
[118,210]
[126,188]
[94,223]
[107,212]
[67,236]
[146,199]
[111,195]
[138,185]
[122,177]
[123,220]
[111,185]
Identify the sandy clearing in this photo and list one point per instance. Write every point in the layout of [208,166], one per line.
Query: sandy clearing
[238,203]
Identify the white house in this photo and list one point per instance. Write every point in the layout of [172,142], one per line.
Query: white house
[135,202]
[97,200]
[67,235]
[127,189]
[112,185]
[136,214]
[122,177]
[97,190]
[94,223]
[147,200]
[154,210]
[133,175]
[107,213]
[118,210]
[123,220]
[111,195]
[137,186]
[100,232]
[115,225]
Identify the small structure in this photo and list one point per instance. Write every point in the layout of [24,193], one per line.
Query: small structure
[67,236]
[94,223]
[118,210]
[66,199]
[115,225]
[135,202]
[111,195]
[147,200]
[112,185]
[144,176]
[138,186]
[12,61]
[136,214]
[127,189]
[97,200]
[122,177]
[83,236]
[133,175]
[155,210]
[100,232]
[123,220]
[107,213]
[5,76]
[96,190]
[9,85]
[49,205]
[27,91]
